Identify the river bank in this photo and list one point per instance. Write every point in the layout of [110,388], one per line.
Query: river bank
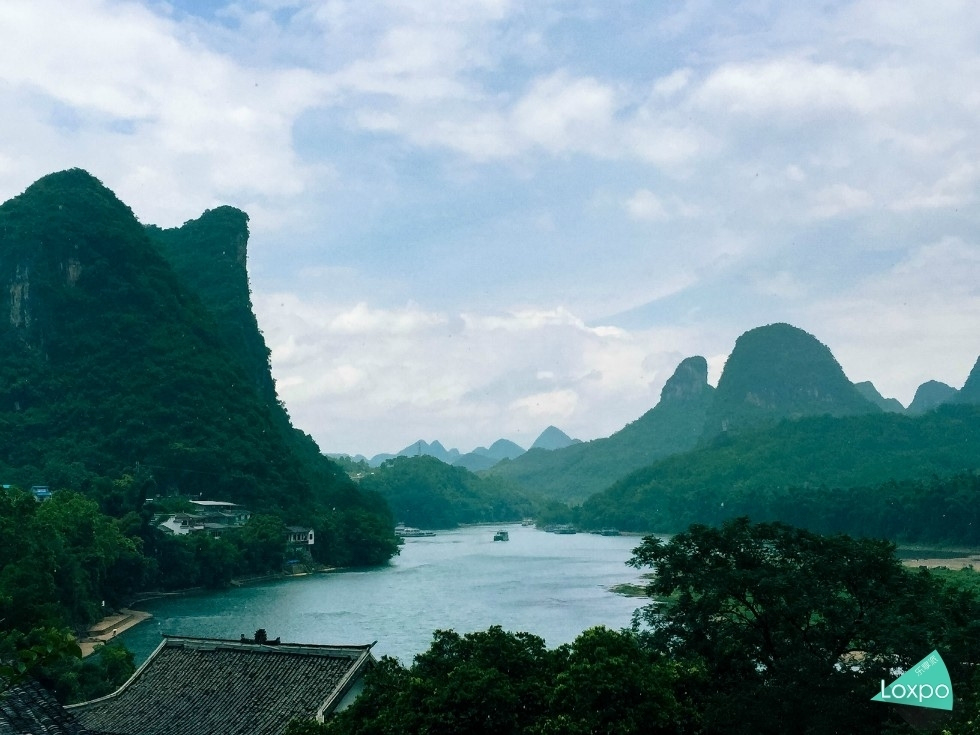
[109,627]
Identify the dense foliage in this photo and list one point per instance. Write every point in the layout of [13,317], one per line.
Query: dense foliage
[209,257]
[497,682]
[796,630]
[60,562]
[821,472]
[760,628]
[427,493]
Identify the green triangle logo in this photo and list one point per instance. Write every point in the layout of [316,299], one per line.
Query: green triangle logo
[926,684]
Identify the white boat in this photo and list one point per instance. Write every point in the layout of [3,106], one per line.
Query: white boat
[403,531]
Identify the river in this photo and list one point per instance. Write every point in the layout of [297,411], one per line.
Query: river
[554,586]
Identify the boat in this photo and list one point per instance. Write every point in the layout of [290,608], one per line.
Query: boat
[403,531]
[501,536]
[565,529]
[608,532]
[527,522]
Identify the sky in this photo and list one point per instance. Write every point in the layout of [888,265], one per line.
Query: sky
[473,219]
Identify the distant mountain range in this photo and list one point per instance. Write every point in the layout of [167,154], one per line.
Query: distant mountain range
[481,458]
[775,373]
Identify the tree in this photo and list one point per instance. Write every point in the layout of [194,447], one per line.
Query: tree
[263,544]
[608,682]
[26,654]
[794,629]
[498,682]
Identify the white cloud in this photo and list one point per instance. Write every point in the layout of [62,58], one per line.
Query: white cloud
[408,373]
[673,82]
[559,113]
[913,322]
[555,406]
[120,90]
[783,284]
[838,199]
[800,88]
[645,205]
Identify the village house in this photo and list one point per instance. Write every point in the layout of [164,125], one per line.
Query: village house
[217,517]
[41,493]
[204,686]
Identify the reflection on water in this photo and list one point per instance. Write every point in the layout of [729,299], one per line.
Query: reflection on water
[550,585]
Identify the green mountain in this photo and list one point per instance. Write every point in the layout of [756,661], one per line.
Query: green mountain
[929,395]
[121,360]
[890,405]
[209,256]
[768,472]
[970,392]
[779,371]
[483,458]
[577,471]
[553,438]
[428,493]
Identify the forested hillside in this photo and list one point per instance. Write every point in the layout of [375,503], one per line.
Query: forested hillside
[779,371]
[427,493]
[801,471]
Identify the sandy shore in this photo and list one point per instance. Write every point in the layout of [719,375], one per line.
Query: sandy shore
[109,627]
[956,563]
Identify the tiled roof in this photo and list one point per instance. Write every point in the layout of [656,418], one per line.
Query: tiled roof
[201,686]
[29,708]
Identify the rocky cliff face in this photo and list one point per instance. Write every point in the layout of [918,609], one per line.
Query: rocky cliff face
[689,381]
[209,255]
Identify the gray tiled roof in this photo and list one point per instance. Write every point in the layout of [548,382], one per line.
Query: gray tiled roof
[199,686]
[29,708]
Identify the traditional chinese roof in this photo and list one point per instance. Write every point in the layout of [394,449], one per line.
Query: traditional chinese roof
[29,708]
[203,686]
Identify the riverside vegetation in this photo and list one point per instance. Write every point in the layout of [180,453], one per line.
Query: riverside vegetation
[762,629]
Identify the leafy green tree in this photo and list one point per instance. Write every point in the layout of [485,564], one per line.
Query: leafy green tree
[498,682]
[27,654]
[609,682]
[262,541]
[215,560]
[795,630]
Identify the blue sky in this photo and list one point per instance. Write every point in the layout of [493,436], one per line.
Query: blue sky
[471,220]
